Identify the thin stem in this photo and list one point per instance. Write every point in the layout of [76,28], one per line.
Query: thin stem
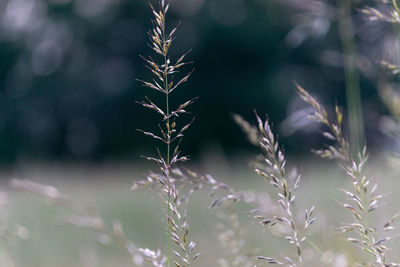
[166,88]
[314,246]
[168,160]
[161,41]
[168,231]
[285,193]
[168,164]
[368,220]
[353,97]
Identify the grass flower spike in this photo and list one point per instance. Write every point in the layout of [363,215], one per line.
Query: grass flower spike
[271,167]
[170,134]
[362,198]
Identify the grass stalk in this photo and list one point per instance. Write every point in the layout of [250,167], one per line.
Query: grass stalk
[272,167]
[163,82]
[362,198]
[353,94]
[168,155]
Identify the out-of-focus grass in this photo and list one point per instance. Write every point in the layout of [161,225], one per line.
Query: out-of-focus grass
[52,244]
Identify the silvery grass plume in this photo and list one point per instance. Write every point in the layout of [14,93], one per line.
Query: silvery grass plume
[362,199]
[171,133]
[272,168]
[188,182]
[88,217]
[185,183]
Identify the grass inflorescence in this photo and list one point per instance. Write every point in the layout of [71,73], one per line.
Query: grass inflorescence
[363,198]
[272,167]
[176,183]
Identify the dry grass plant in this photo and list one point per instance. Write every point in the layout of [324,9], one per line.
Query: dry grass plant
[176,184]
[272,167]
[164,71]
[363,198]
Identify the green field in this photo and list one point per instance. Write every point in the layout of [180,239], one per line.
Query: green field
[52,243]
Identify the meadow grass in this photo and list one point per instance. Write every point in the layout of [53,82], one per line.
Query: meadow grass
[54,244]
[284,219]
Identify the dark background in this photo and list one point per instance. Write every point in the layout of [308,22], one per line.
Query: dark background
[69,67]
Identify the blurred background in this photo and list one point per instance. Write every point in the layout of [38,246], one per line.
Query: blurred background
[69,67]
[68,117]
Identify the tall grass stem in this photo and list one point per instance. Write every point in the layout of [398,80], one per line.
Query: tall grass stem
[353,94]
